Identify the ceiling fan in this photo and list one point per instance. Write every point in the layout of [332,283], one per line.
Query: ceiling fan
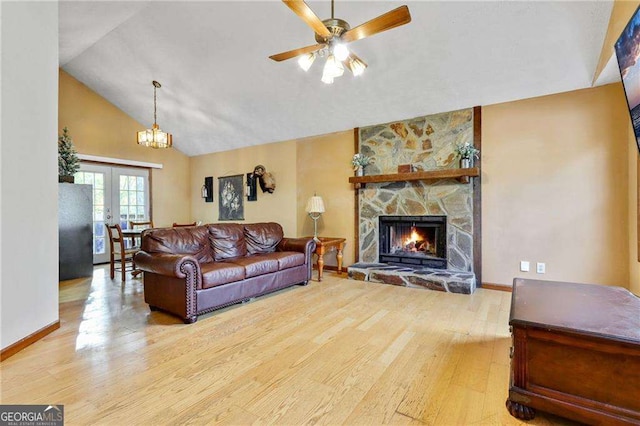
[333,34]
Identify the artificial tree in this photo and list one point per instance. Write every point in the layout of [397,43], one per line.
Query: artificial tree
[68,161]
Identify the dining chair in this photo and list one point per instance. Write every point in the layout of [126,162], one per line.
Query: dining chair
[120,253]
[183,225]
[141,225]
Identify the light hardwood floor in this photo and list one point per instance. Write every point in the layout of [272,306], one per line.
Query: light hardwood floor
[335,352]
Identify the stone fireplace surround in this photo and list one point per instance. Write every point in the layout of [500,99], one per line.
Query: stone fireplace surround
[428,143]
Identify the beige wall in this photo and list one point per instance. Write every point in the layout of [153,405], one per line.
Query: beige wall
[324,166]
[100,128]
[555,187]
[278,158]
[320,164]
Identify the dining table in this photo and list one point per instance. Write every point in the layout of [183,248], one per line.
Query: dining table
[132,235]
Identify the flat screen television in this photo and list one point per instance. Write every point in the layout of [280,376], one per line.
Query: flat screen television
[628,54]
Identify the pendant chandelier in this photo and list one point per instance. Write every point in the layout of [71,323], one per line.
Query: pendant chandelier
[154,137]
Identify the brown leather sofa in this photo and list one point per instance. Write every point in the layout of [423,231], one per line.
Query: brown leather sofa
[193,270]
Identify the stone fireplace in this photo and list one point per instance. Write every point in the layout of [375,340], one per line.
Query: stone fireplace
[443,212]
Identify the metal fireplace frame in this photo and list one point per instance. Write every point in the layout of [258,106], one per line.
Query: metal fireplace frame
[435,221]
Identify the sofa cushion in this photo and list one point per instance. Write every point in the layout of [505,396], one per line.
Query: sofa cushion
[193,241]
[288,259]
[258,264]
[227,240]
[218,273]
[262,237]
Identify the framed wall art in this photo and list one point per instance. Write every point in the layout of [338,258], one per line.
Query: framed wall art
[231,197]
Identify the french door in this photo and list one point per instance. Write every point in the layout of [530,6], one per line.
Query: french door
[120,194]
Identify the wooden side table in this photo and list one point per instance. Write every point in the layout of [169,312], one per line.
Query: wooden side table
[321,248]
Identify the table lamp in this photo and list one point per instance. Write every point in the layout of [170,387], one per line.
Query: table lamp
[315,208]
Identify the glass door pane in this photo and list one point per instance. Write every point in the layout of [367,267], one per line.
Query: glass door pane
[120,195]
[100,178]
[132,199]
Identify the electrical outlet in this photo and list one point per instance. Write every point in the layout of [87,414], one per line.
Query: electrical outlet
[524,266]
[541,268]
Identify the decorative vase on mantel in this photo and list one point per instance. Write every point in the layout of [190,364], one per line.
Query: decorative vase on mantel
[360,171]
[466,163]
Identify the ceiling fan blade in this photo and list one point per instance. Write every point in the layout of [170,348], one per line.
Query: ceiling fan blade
[296,52]
[305,13]
[387,21]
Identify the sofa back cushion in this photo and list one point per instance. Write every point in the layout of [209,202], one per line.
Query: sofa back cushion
[227,240]
[193,241]
[262,237]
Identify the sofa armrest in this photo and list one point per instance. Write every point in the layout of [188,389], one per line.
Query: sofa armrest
[170,265]
[302,245]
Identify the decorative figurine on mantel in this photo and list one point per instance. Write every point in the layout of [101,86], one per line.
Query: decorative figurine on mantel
[467,153]
[68,161]
[359,161]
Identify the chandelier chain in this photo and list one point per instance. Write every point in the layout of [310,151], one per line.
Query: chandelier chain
[155,119]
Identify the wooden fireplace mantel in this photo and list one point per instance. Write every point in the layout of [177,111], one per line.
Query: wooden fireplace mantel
[462,175]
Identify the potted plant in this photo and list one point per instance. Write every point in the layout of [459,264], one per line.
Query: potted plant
[467,153]
[68,161]
[359,161]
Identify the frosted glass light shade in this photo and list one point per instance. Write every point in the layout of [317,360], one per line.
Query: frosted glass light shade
[340,51]
[357,67]
[315,205]
[326,79]
[305,61]
[333,68]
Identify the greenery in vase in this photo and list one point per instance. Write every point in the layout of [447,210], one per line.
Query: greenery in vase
[467,151]
[360,160]
[68,161]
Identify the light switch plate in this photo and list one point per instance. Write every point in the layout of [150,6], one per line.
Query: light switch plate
[541,268]
[524,266]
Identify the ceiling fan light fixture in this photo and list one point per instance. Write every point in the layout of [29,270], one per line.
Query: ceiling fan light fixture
[332,35]
[357,67]
[326,79]
[333,67]
[340,51]
[306,61]
[154,137]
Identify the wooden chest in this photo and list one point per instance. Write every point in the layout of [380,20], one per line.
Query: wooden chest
[575,353]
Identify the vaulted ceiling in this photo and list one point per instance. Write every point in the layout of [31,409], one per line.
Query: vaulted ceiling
[220,91]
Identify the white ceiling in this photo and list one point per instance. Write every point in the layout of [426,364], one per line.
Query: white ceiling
[220,91]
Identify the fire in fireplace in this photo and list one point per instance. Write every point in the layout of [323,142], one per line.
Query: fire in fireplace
[413,240]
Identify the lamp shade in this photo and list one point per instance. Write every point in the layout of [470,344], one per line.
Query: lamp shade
[315,205]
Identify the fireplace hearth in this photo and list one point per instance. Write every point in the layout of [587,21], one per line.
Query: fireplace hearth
[419,241]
